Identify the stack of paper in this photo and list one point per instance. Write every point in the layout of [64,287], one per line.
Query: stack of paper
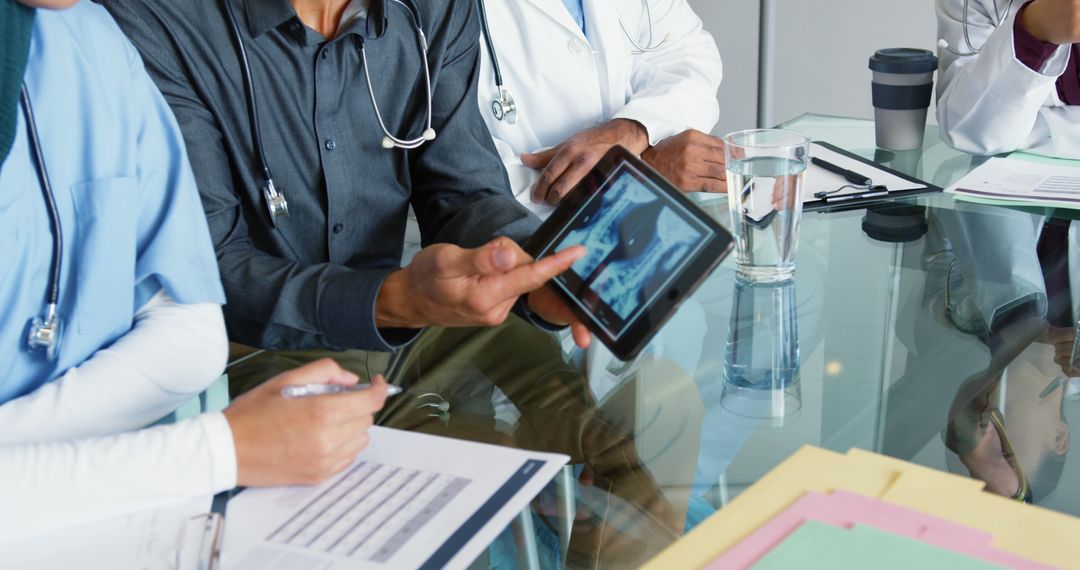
[821,509]
[1023,179]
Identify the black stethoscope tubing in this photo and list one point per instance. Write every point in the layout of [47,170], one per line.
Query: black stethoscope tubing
[275,200]
[52,296]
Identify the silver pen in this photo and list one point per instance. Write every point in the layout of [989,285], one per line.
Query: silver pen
[304,390]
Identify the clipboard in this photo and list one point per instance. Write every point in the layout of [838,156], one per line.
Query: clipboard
[821,205]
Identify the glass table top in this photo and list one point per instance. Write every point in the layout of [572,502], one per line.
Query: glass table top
[950,350]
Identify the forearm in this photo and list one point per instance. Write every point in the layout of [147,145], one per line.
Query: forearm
[47,486]
[990,103]
[172,353]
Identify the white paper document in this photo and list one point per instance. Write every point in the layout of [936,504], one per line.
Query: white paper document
[410,501]
[820,180]
[149,540]
[1022,181]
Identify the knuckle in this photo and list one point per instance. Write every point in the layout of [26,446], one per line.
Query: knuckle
[476,304]
[493,318]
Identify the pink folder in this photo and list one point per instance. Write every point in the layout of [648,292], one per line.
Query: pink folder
[845,509]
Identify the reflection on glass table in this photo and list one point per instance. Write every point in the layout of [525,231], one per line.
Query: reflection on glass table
[950,347]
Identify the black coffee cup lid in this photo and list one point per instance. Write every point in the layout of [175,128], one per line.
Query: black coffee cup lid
[903,60]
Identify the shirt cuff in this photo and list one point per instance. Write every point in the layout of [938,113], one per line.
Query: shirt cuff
[1031,51]
[219,441]
[521,309]
[347,312]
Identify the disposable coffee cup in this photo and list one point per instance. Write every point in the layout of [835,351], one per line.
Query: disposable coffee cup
[902,87]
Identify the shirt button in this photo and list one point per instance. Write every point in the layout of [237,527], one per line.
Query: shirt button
[338,228]
[330,144]
[575,46]
[325,53]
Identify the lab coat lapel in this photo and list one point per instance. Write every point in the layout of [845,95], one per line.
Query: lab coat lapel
[557,11]
[606,37]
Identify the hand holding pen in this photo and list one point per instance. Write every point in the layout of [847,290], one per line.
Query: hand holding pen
[281,440]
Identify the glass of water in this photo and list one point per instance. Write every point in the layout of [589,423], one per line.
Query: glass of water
[765,172]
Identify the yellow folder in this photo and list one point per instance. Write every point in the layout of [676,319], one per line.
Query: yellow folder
[1031,532]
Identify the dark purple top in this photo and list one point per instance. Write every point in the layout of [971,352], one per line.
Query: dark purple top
[1034,53]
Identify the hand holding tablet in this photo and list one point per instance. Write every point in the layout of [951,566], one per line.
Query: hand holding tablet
[648,247]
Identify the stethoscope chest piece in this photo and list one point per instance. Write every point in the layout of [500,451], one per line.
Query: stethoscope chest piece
[504,108]
[275,202]
[44,334]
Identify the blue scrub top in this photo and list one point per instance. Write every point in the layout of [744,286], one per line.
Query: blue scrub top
[577,12]
[130,212]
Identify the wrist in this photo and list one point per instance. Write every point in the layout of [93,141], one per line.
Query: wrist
[241,447]
[1032,18]
[395,303]
[632,135]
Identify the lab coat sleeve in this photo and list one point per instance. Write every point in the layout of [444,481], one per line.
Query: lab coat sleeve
[992,103]
[522,179]
[273,302]
[48,486]
[460,190]
[674,89]
[172,353]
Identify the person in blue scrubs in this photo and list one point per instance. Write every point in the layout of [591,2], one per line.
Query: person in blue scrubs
[140,323]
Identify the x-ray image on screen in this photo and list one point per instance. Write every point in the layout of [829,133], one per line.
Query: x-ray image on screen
[635,239]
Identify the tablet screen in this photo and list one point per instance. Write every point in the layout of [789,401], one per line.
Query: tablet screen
[638,240]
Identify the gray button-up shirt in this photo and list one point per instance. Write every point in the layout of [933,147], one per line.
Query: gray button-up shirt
[312,282]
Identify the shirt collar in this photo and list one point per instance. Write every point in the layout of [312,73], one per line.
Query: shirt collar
[265,15]
[366,17]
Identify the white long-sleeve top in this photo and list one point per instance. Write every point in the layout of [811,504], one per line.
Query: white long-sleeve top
[992,103]
[73,452]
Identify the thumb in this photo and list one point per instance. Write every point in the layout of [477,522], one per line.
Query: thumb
[496,257]
[540,159]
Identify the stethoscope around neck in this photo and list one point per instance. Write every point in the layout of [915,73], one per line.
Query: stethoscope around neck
[503,106]
[275,200]
[44,332]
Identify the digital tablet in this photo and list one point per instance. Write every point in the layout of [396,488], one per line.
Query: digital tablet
[648,247]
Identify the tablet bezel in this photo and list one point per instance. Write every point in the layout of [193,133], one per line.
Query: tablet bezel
[638,331]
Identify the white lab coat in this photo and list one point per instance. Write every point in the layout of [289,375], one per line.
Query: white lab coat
[565,81]
[992,103]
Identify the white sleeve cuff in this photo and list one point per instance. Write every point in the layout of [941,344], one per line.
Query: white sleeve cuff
[657,128]
[221,448]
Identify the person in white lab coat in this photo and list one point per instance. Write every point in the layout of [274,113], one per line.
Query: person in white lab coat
[582,83]
[1021,90]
